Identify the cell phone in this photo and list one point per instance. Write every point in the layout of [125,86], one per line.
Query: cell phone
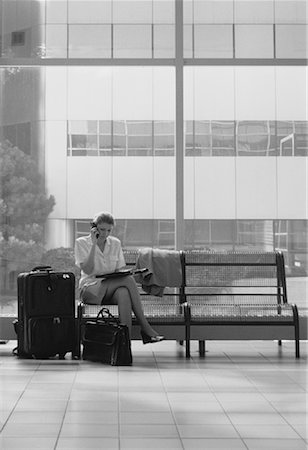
[94,227]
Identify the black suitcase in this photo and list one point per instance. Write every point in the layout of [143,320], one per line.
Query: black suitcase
[46,313]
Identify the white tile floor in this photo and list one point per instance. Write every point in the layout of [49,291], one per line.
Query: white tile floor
[240,396]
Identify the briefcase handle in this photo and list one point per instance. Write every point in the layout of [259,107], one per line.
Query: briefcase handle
[105,315]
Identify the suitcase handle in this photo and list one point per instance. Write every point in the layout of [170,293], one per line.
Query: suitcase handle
[42,269]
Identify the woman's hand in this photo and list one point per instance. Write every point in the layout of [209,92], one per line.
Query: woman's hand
[94,235]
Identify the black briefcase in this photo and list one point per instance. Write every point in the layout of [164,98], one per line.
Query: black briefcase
[106,340]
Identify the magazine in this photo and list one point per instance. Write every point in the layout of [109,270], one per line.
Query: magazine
[121,273]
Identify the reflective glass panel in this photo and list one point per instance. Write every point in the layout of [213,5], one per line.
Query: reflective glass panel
[291,41]
[254,41]
[89,41]
[132,41]
[213,41]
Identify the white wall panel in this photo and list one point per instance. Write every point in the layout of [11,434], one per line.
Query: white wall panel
[164,199]
[189,93]
[163,93]
[56,166]
[255,93]
[214,93]
[256,191]
[132,187]
[89,93]
[132,93]
[55,93]
[88,186]
[292,93]
[292,182]
[214,188]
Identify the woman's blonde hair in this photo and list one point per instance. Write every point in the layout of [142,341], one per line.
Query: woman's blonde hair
[103,217]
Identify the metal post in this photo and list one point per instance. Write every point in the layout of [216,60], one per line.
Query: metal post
[179,137]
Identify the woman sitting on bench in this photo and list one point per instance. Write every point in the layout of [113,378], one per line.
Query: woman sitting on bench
[100,253]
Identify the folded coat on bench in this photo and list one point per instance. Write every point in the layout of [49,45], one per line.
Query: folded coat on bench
[164,269]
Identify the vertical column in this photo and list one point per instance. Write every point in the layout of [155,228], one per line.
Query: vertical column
[179,136]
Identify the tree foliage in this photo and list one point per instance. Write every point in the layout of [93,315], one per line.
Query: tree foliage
[24,205]
[24,208]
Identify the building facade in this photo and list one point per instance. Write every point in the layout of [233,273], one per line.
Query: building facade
[186,119]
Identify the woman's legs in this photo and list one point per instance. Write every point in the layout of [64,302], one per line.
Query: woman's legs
[124,292]
[121,298]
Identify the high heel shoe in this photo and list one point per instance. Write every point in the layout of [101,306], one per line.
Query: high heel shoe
[146,339]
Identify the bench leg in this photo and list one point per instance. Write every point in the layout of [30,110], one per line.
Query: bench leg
[187,340]
[202,348]
[297,348]
[296,330]
[279,342]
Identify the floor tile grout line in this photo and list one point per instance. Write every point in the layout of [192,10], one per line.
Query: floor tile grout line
[262,394]
[119,409]
[171,410]
[273,406]
[225,412]
[19,398]
[77,368]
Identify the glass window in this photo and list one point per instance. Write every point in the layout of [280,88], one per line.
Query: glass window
[291,41]
[209,234]
[89,11]
[255,138]
[257,235]
[19,135]
[140,138]
[197,234]
[56,11]
[132,41]
[301,138]
[210,138]
[132,11]
[164,137]
[254,11]
[166,233]
[164,36]
[119,138]
[105,137]
[213,41]
[223,138]
[145,233]
[291,237]
[188,41]
[189,138]
[202,131]
[212,11]
[254,41]
[55,41]
[163,11]
[285,138]
[89,41]
[290,11]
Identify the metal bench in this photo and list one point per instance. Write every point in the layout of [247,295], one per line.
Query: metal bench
[224,295]
[235,295]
